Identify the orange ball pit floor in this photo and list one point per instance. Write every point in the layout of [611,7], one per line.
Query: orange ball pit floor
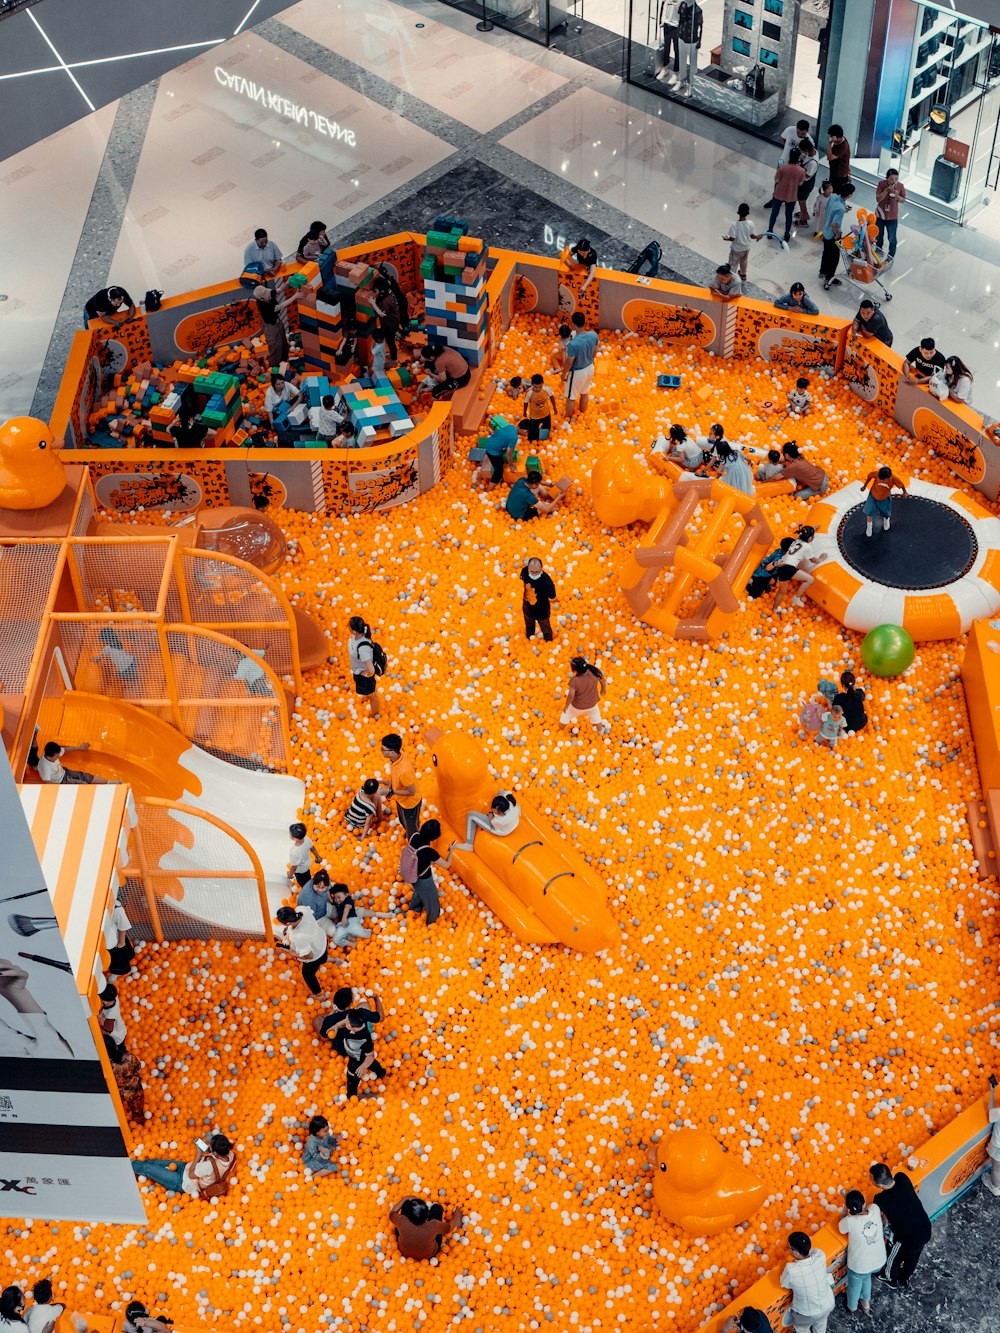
[805,957]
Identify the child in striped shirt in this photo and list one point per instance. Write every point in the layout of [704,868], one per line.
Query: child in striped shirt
[365,810]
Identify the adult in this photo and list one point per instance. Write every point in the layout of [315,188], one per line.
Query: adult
[833,223]
[279,392]
[806,1277]
[809,162]
[319,1147]
[128,1079]
[862,1226]
[921,362]
[787,179]
[690,21]
[734,469]
[502,818]
[401,785]
[421,1228]
[139,1320]
[537,598]
[307,940]
[669,14]
[579,365]
[270,309]
[991,1178]
[838,156]
[584,254]
[41,1316]
[539,405]
[188,432]
[263,251]
[528,498]
[12,1310]
[793,136]
[851,700]
[391,275]
[908,1221]
[869,323]
[725,286]
[314,897]
[51,770]
[796,567]
[587,687]
[499,447]
[313,244]
[809,478]
[890,192]
[798,299]
[361,657]
[958,379]
[110,1021]
[112,304]
[452,371]
[424,897]
[206,1177]
[389,314]
[27,1032]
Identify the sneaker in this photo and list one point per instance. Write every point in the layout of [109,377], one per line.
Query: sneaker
[788,237]
[865,1307]
[988,1184]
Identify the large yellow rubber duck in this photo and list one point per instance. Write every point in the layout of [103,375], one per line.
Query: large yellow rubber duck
[31,471]
[535,882]
[701,1187]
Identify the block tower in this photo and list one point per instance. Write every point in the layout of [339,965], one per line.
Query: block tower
[454,276]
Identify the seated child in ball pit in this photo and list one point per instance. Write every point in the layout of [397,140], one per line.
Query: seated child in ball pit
[366,810]
[771,467]
[799,401]
[832,724]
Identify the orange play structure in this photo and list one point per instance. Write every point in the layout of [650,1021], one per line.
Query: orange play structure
[701,1187]
[623,493]
[532,879]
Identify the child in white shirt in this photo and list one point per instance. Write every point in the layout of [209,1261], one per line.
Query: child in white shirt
[739,236]
[770,469]
[799,401]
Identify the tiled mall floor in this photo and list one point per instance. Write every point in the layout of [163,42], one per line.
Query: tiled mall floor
[418,96]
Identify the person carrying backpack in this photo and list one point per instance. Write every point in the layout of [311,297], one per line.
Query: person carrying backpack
[368,662]
[415,862]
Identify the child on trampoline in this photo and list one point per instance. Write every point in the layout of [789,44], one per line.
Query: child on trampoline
[880,486]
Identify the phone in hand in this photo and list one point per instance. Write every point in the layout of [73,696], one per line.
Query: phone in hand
[201,1145]
[993,1080]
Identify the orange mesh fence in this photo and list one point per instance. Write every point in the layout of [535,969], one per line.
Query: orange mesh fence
[26,575]
[118,575]
[115,655]
[189,876]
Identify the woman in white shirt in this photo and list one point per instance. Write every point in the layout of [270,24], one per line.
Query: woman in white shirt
[503,817]
[11,1310]
[307,940]
[958,378]
[865,1248]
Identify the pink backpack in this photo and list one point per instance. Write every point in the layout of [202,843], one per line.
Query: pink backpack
[409,865]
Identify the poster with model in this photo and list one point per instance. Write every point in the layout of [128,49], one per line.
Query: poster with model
[62,1154]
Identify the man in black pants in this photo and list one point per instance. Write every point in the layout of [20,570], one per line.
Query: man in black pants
[833,230]
[539,594]
[907,1217]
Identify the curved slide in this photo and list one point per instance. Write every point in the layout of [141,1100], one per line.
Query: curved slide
[128,744]
[539,886]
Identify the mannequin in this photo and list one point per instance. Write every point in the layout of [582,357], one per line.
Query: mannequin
[689,25]
[668,21]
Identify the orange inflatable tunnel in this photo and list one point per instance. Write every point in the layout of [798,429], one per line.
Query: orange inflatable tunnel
[535,882]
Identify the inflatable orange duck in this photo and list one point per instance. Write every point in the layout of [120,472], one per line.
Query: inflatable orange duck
[539,886]
[31,471]
[699,1186]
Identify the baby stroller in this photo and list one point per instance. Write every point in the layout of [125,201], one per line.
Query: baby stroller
[647,261]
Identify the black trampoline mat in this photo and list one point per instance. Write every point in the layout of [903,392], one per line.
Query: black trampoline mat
[928,545]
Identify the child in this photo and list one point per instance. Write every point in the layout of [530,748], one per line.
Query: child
[124,662]
[879,497]
[833,724]
[365,811]
[380,352]
[346,923]
[539,405]
[865,1249]
[819,208]
[515,387]
[558,360]
[300,856]
[799,402]
[739,236]
[772,468]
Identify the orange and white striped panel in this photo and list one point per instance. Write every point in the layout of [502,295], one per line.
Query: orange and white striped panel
[78,833]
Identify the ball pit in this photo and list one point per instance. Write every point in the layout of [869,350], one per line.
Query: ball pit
[804,973]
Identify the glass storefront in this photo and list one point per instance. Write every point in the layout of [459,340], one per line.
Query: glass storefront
[932,113]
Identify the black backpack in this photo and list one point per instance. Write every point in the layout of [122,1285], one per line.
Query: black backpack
[379,659]
[153,301]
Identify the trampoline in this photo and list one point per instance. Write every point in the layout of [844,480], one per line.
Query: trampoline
[934,572]
[928,545]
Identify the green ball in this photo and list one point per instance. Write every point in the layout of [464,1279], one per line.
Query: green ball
[887,650]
